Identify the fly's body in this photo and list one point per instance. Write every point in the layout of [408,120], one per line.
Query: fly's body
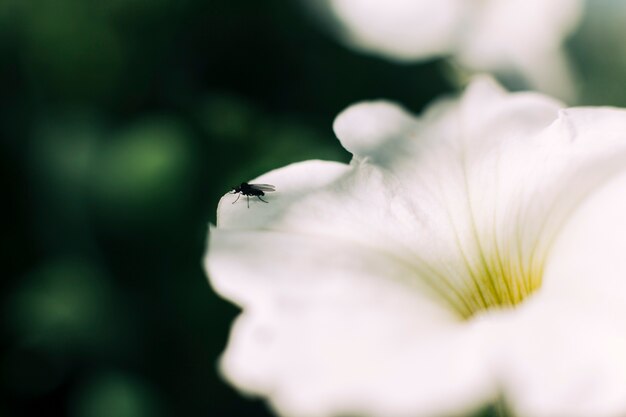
[252,190]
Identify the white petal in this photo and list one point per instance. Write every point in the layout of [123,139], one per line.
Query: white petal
[523,36]
[563,358]
[564,353]
[366,128]
[587,263]
[332,328]
[400,29]
[292,183]
[520,38]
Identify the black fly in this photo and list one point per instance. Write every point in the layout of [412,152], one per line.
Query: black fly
[254,190]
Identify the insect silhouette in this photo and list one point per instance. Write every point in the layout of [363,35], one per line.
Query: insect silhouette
[254,190]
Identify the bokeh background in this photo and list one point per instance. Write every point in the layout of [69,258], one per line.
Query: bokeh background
[123,122]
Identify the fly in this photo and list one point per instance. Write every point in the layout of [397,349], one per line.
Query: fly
[254,190]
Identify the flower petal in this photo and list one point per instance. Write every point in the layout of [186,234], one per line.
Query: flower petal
[292,182]
[587,263]
[500,40]
[520,39]
[563,358]
[401,29]
[331,328]
[367,128]
[575,365]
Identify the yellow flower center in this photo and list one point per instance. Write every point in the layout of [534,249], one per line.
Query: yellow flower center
[488,279]
[498,282]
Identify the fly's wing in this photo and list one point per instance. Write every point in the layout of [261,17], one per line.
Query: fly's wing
[263,187]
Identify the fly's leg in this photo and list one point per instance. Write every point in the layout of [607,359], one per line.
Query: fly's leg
[259,197]
[248,199]
[236,199]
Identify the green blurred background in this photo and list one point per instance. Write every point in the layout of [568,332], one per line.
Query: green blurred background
[123,122]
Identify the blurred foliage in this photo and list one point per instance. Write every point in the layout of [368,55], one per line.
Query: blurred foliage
[123,123]
[600,53]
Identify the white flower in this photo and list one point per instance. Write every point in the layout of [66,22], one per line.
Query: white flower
[473,254]
[520,37]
